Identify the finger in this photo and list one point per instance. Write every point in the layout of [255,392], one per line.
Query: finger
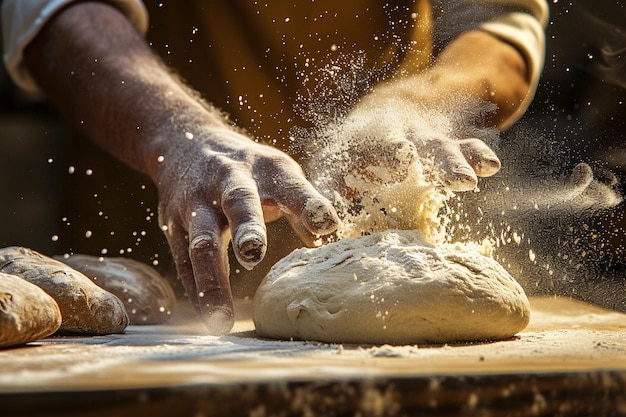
[208,252]
[399,152]
[178,241]
[481,158]
[318,215]
[241,204]
[309,239]
[289,189]
[454,172]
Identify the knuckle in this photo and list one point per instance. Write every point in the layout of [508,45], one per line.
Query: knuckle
[277,162]
[223,167]
[238,192]
[401,152]
[236,182]
[203,242]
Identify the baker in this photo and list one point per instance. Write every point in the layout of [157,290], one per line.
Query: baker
[217,178]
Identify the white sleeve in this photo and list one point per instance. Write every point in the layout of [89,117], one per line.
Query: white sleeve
[519,22]
[23,19]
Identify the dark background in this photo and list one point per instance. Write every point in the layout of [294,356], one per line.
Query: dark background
[105,208]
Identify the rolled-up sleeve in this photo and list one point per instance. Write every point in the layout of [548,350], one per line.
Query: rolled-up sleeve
[521,23]
[23,19]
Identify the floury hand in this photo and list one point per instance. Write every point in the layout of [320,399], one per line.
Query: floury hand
[213,182]
[218,186]
[381,145]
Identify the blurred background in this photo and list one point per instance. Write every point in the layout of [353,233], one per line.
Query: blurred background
[59,194]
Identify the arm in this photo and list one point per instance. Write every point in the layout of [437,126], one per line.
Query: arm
[476,70]
[477,65]
[214,183]
[489,67]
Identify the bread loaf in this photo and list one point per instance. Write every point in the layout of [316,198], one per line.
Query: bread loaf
[147,296]
[85,307]
[27,313]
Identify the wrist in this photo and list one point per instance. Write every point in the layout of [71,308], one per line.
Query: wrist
[187,128]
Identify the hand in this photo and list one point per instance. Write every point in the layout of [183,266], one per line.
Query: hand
[213,186]
[383,138]
[220,185]
[417,114]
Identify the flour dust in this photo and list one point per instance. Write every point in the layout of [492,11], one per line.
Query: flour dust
[553,219]
[541,214]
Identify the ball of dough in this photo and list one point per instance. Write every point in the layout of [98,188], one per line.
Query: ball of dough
[147,296]
[85,307]
[389,288]
[27,313]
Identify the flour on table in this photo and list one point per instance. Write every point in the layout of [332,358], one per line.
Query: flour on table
[390,287]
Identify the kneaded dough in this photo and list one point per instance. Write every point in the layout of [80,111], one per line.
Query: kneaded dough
[27,313]
[389,288]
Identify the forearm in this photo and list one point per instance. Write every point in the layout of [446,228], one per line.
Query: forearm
[476,66]
[98,71]
[486,68]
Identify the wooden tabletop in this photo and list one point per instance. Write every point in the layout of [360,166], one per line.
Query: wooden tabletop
[571,355]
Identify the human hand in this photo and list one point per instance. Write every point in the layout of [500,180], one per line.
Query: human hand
[217,185]
[213,185]
[421,111]
[381,140]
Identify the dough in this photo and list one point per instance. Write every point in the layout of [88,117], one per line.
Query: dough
[389,288]
[27,313]
[85,307]
[147,296]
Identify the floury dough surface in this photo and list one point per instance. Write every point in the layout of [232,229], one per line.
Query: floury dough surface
[389,288]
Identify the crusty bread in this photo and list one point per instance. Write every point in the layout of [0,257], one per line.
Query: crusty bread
[85,307]
[27,313]
[147,296]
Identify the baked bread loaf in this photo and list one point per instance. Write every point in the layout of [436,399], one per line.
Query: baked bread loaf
[27,313]
[147,296]
[85,307]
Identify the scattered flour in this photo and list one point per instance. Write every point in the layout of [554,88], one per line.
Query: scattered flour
[354,290]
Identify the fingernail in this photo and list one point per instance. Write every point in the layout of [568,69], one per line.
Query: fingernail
[252,249]
[463,171]
[488,165]
[493,161]
[249,244]
[462,179]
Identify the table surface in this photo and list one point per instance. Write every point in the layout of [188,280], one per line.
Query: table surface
[564,338]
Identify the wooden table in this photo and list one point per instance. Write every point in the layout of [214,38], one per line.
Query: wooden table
[570,360]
